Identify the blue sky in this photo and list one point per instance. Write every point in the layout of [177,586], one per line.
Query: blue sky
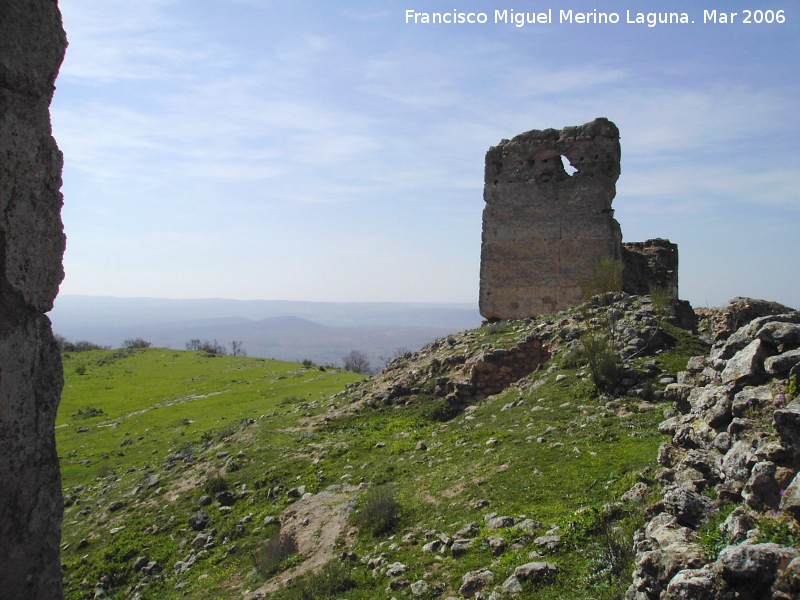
[328,151]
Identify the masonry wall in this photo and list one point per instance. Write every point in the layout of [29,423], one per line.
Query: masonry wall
[32,44]
[648,265]
[543,228]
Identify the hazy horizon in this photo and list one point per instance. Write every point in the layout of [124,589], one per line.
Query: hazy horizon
[334,152]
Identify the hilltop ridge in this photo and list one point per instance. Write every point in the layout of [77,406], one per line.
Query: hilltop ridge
[515,466]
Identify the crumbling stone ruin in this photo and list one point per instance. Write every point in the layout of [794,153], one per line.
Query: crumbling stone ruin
[648,265]
[32,45]
[548,222]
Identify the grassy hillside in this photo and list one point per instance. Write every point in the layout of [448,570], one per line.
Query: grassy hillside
[550,452]
[146,429]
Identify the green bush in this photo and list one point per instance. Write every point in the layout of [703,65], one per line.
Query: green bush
[601,359]
[215,484]
[334,578]
[662,300]
[89,412]
[275,554]
[377,511]
[441,410]
[136,343]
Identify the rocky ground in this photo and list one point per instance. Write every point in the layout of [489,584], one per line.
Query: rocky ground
[519,471]
[726,527]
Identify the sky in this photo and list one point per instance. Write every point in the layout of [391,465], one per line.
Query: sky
[326,150]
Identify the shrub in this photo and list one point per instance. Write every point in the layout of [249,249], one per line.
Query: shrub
[215,484]
[601,359]
[606,277]
[441,410]
[210,348]
[662,300]
[334,578]
[136,343]
[64,345]
[356,361]
[308,363]
[377,512]
[274,554]
[80,370]
[89,412]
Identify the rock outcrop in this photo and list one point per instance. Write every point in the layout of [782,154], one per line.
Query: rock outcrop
[727,526]
[32,45]
[548,224]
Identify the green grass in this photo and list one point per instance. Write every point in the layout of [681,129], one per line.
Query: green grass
[166,413]
[550,451]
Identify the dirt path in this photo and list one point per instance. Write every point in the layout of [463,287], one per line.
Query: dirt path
[316,523]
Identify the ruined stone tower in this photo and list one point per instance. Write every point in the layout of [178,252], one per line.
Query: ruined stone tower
[544,228]
[548,222]
[32,44]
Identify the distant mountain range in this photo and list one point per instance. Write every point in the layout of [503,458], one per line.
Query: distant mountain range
[319,331]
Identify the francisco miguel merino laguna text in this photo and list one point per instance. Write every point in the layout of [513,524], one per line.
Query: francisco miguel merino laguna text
[545,17]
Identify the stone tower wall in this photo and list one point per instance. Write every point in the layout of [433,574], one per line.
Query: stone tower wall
[32,44]
[648,265]
[544,229]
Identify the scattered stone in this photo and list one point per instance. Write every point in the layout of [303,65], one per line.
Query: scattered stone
[460,547]
[433,547]
[512,586]
[199,521]
[500,522]
[474,581]
[497,545]
[225,498]
[535,571]
[549,542]
[420,588]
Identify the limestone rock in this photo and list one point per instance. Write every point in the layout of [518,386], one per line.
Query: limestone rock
[787,424]
[512,586]
[474,581]
[754,565]
[535,571]
[747,365]
[790,501]
[692,584]
[32,44]
[783,363]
